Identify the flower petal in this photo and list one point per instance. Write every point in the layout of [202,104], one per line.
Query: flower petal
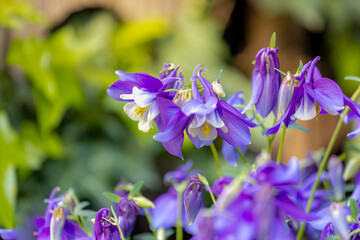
[142,80]
[327,94]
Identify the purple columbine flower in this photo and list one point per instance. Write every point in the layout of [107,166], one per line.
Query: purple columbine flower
[55,223]
[265,82]
[204,117]
[127,212]
[141,91]
[193,198]
[103,229]
[313,94]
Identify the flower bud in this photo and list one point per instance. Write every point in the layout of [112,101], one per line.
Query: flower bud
[193,196]
[286,93]
[127,211]
[218,89]
[166,70]
[57,223]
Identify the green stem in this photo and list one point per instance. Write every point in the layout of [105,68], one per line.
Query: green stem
[216,157]
[324,160]
[278,160]
[271,139]
[242,157]
[147,214]
[212,195]
[179,230]
[121,233]
[354,232]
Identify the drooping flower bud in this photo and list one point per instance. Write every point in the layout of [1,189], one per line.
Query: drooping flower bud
[218,89]
[338,217]
[265,82]
[286,93]
[193,197]
[127,211]
[57,223]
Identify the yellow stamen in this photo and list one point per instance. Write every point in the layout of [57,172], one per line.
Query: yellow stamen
[206,129]
[140,111]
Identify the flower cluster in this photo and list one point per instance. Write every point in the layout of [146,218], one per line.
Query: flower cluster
[263,200]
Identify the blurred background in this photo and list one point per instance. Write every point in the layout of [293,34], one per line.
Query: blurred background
[58,127]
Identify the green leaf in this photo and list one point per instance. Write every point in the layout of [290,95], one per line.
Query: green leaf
[87,213]
[136,189]
[351,168]
[301,65]
[218,75]
[354,209]
[143,202]
[112,197]
[283,73]
[297,126]
[273,41]
[353,78]
[80,206]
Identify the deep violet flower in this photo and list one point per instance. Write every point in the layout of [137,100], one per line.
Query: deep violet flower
[55,224]
[313,94]
[204,117]
[265,82]
[141,91]
[103,229]
[193,198]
